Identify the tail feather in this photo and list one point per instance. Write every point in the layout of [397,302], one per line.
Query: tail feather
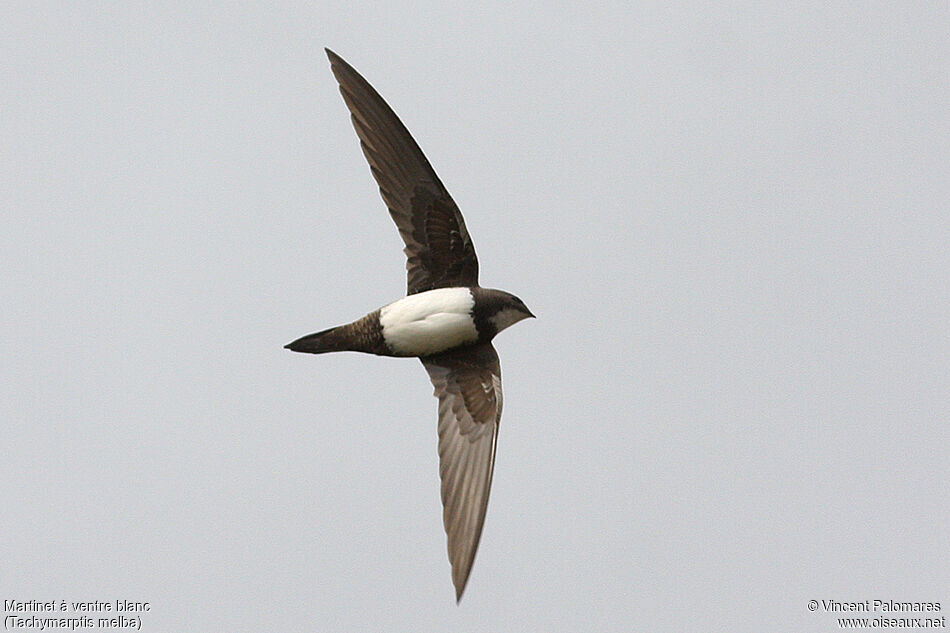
[319,342]
[362,335]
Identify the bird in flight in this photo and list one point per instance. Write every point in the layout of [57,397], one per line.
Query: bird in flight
[446,320]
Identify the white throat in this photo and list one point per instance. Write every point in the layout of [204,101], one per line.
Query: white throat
[506,317]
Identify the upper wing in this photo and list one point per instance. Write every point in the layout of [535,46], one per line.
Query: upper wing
[440,252]
[468,384]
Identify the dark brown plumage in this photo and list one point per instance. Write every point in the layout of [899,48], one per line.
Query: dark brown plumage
[439,250]
[440,254]
[468,386]
[447,320]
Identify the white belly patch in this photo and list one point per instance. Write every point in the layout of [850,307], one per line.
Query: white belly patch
[429,322]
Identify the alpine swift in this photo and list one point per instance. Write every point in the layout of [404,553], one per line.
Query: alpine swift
[446,320]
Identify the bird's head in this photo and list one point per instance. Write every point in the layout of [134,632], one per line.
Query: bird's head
[506,310]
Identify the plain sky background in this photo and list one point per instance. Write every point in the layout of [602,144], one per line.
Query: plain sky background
[731,220]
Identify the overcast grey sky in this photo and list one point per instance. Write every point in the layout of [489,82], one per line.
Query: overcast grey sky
[731,220]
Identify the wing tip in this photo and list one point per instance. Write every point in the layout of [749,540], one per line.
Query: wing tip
[461,571]
[459,587]
[336,62]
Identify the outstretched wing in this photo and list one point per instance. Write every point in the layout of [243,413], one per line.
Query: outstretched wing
[440,252]
[468,384]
